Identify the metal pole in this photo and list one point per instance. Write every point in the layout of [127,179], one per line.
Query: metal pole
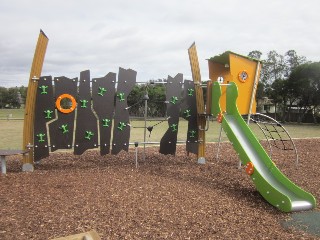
[146,98]
[136,149]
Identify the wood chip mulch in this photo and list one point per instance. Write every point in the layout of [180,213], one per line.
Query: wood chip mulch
[167,197]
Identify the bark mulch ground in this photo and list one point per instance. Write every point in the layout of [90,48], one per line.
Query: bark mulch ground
[167,197]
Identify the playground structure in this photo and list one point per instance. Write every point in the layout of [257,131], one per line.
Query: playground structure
[79,115]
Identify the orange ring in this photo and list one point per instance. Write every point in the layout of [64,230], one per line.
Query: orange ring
[249,168]
[66,110]
[243,76]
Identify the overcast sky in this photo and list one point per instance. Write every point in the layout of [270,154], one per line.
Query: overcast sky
[151,37]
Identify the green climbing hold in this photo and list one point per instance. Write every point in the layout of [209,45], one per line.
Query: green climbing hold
[192,133]
[48,114]
[64,128]
[84,103]
[174,127]
[121,126]
[89,134]
[174,100]
[41,137]
[121,97]
[187,113]
[105,122]
[102,90]
[190,92]
[43,89]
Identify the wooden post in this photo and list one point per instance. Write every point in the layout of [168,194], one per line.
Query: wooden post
[195,69]
[35,73]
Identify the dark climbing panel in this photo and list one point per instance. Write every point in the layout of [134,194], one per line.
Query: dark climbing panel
[189,112]
[173,98]
[121,129]
[44,112]
[103,91]
[61,130]
[86,134]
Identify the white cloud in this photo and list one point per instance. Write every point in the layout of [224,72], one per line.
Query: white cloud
[151,37]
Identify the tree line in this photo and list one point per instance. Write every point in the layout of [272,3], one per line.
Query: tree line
[290,81]
[12,97]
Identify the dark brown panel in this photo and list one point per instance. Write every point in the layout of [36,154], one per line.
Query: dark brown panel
[189,112]
[86,134]
[103,90]
[61,130]
[121,129]
[173,98]
[44,112]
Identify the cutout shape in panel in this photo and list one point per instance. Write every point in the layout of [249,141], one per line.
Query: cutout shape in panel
[121,129]
[61,130]
[103,90]
[173,98]
[44,112]
[86,135]
[189,112]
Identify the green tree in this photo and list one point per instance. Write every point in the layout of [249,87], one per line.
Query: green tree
[273,68]
[304,82]
[3,97]
[135,100]
[157,97]
[255,54]
[13,98]
[292,60]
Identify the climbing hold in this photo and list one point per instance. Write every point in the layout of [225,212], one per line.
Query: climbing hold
[187,113]
[190,92]
[89,134]
[41,137]
[102,90]
[43,89]
[84,103]
[174,100]
[105,122]
[220,117]
[174,127]
[48,114]
[192,133]
[121,97]
[249,168]
[64,128]
[121,126]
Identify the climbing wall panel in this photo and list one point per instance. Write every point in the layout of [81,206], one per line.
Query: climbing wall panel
[121,129]
[189,112]
[44,112]
[173,98]
[61,130]
[103,104]
[86,134]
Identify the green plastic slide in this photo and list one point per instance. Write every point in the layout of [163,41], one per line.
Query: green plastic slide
[271,183]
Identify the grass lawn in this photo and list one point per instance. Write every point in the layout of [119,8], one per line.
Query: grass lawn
[13,113]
